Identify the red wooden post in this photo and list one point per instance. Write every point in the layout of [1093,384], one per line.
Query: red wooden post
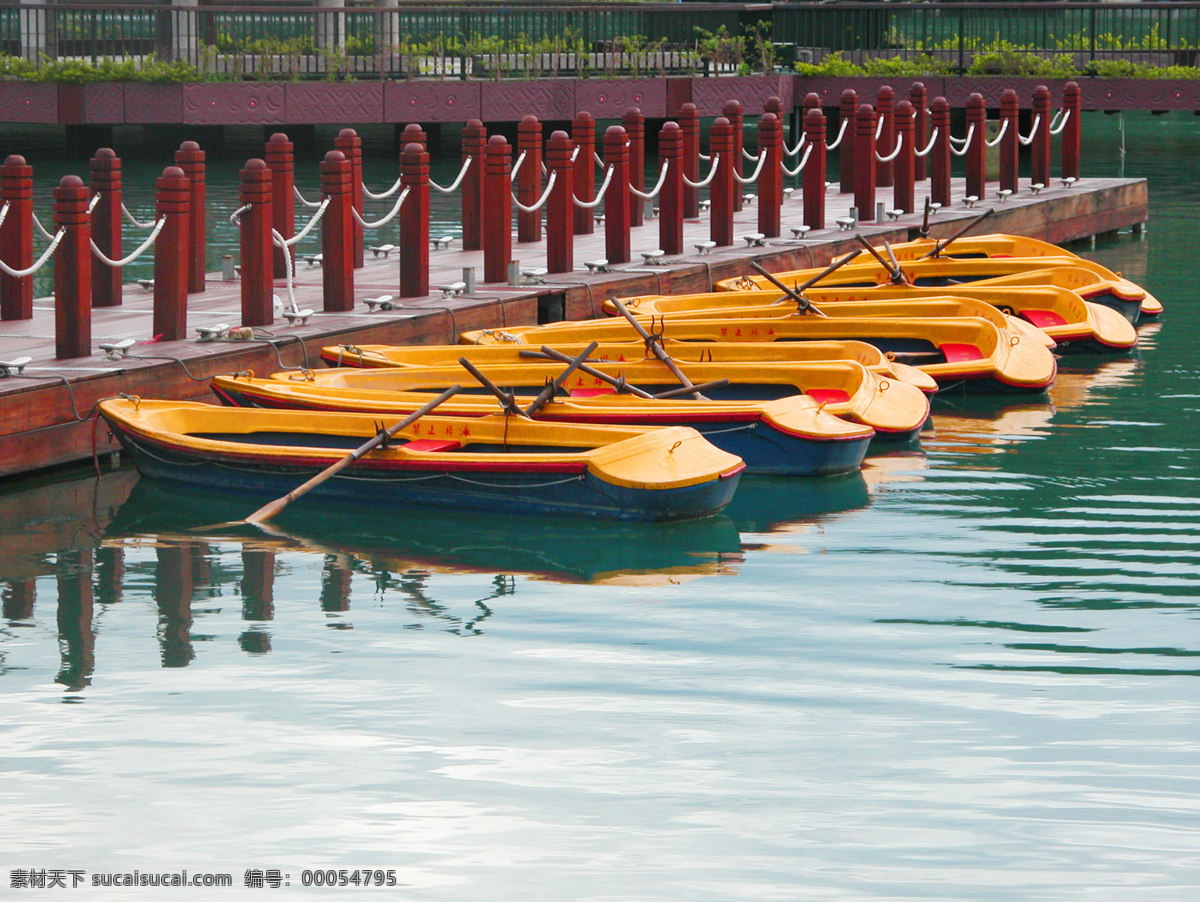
[939,157]
[337,233]
[976,147]
[848,112]
[1072,130]
[721,192]
[885,108]
[171,255]
[16,238]
[814,169]
[733,112]
[72,270]
[280,153]
[616,198]
[413,134]
[106,226]
[258,257]
[670,198]
[560,209]
[812,101]
[529,178]
[414,221]
[474,138]
[904,189]
[1010,121]
[497,208]
[634,124]
[190,158]
[1040,147]
[919,98]
[350,144]
[583,133]
[689,126]
[864,163]
[770,178]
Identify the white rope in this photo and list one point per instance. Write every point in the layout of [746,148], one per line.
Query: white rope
[703,156]
[966,143]
[762,158]
[999,137]
[716,161]
[841,134]
[895,151]
[517,165]
[800,165]
[300,197]
[92,203]
[591,204]
[929,147]
[541,200]
[959,142]
[377,224]
[650,195]
[142,248]
[462,173]
[41,228]
[40,262]
[134,222]
[288,268]
[749,156]
[303,233]
[1037,120]
[386,194]
[878,128]
[575,153]
[235,218]
[1066,114]
[599,160]
[792,151]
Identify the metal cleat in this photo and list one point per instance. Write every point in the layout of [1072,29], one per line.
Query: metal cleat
[147,284]
[755,239]
[788,192]
[595,266]
[706,247]
[14,367]
[705,205]
[933,209]
[115,350]
[654,258]
[383,302]
[1068,181]
[441,243]
[970,200]
[382,250]
[452,289]
[748,199]
[599,218]
[1036,188]
[211,333]
[313,259]
[297,317]
[846,224]
[1004,194]
[800,231]
[534,276]
[893,215]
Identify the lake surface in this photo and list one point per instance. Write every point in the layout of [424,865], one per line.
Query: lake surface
[967,673]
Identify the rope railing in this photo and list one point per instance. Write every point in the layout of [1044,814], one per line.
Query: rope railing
[141,249]
[533,208]
[879,128]
[462,173]
[895,150]
[235,218]
[40,262]
[746,180]
[300,197]
[92,203]
[748,156]
[37,224]
[712,172]
[1037,120]
[966,142]
[999,137]
[289,265]
[662,179]
[928,147]
[133,221]
[841,134]
[517,165]
[385,194]
[1066,114]
[599,160]
[792,151]
[575,153]
[800,165]
[592,204]
[367,224]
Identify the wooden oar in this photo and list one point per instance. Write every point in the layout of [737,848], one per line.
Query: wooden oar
[552,387]
[506,399]
[924,230]
[945,242]
[267,511]
[656,346]
[703,386]
[895,273]
[617,382]
[797,293]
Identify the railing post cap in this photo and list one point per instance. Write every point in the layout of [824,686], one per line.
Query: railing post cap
[334,156]
[558,136]
[530,119]
[414,147]
[253,165]
[70,181]
[497,141]
[105,153]
[347,133]
[634,113]
[885,92]
[583,114]
[189,146]
[279,138]
[814,115]
[15,160]
[614,132]
[904,107]
[174,172]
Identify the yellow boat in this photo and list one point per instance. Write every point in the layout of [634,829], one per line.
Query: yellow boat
[732,352]
[968,352]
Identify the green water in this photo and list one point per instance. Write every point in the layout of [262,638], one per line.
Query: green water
[967,673]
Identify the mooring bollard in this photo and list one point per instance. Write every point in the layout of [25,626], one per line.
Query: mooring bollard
[560,208]
[770,178]
[171,255]
[670,197]
[72,270]
[918,96]
[814,169]
[337,233]
[864,162]
[281,160]
[16,238]
[255,191]
[721,192]
[903,175]
[414,221]
[105,169]
[617,197]
[350,144]
[190,158]
[1010,122]
[976,182]
[1071,131]
[474,139]
[847,113]
[732,110]
[634,124]
[885,109]
[1039,150]
[939,157]
[497,208]
[583,133]
[529,178]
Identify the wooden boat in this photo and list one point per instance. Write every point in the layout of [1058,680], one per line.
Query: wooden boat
[496,463]
[871,357]
[1090,280]
[792,436]
[960,352]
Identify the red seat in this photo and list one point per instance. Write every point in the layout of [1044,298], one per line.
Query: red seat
[957,353]
[433,444]
[828,395]
[590,392]
[1043,318]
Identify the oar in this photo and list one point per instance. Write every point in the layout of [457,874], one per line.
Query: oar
[506,399]
[617,382]
[687,390]
[267,511]
[894,271]
[899,277]
[945,242]
[656,346]
[924,230]
[797,293]
[552,387]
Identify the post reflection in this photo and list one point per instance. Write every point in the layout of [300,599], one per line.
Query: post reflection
[174,588]
[258,598]
[76,639]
